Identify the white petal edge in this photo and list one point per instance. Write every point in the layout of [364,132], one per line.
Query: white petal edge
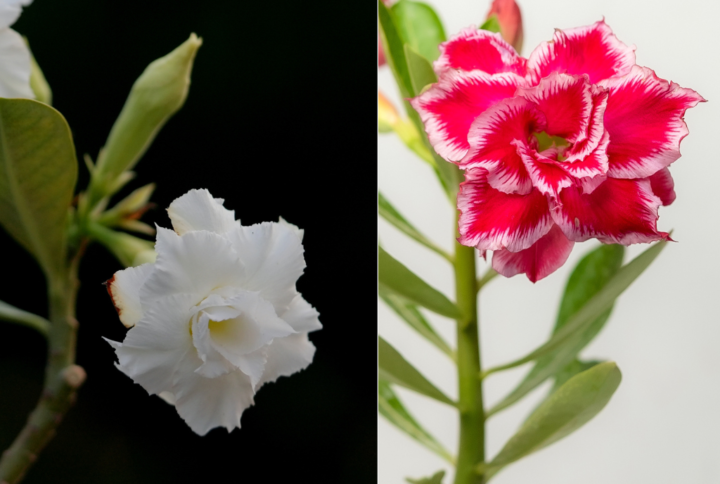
[198,210]
[124,289]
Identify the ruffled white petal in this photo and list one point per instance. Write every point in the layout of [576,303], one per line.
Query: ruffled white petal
[273,258]
[287,356]
[10,11]
[198,210]
[14,66]
[124,289]
[301,315]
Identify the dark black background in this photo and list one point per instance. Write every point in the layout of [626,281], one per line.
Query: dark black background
[280,121]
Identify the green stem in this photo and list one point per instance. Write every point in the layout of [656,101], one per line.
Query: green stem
[471,450]
[62,378]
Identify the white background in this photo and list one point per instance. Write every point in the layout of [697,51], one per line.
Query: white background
[663,424]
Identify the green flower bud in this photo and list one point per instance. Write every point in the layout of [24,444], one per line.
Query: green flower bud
[125,247]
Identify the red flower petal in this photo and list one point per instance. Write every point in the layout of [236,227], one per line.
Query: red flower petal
[537,262]
[644,117]
[592,166]
[493,220]
[472,49]
[491,139]
[663,186]
[593,50]
[450,106]
[617,212]
[547,174]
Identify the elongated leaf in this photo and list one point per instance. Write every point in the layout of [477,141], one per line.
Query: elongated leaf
[574,404]
[398,279]
[15,315]
[411,315]
[388,212]
[394,411]
[491,24]
[420,27]
[396,369]
[434,479]
[421,72]
[591,274]
[393,46]
[38,171]
[594,308]
[570,370]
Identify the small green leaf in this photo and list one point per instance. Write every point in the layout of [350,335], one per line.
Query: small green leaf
[388,212]
[570,370]
[38,171]
[15,315]
[400,280]
[411,315]
[591,274]
[574,404]
[392,43]
[598,304]
[396,369]
[491,24]
[420,27]
[435,479]
[421,72]
[394,411]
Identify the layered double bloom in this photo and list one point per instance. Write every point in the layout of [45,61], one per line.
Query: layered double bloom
[571,144]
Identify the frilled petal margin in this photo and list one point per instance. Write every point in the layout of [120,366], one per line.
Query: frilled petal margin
[475,49]
[493,220]
[491,140]
[10,11]
[644,117]
[124,289]
[537,262]
[617,212]
[450,106]
[663,186]
[593,50]
[287,356]
[198,210]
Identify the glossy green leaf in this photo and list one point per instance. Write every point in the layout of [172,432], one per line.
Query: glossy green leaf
[389,213]
[411,315]
[591,274]
[596,306]
[398,279]
[420,27]
[393,46]
[396,369]
[394,411]
[434,479]
[574,404]
[492,24]
[15,315]
[38,171]
[421,72]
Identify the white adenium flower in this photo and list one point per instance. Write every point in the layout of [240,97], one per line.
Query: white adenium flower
[217,315]
[15,66]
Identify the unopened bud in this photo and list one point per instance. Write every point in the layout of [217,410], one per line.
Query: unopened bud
[129,208]
[388,117]
[510,20]
[125,247]
[38,83]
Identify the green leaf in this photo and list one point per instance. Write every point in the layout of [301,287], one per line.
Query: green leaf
[392,43]
[411,315]
[420,27]
[491,24]
[394,411]
[574,404]
[396,369]
[598,304]
[38,171]
[388,212]
[398,279]
[421,72]
[570,370]
[591,274]
[435,479]
[15,315]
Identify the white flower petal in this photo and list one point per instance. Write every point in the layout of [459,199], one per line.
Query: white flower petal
[205,403]
[286,356]
[124,289]
[273,257]
[300,232]
[168,397]
[198,210]
[14,66]
[154,347]
[195,263]
[10,11]
[301,315]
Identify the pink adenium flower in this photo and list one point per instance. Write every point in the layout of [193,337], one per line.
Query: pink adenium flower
[571,144]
